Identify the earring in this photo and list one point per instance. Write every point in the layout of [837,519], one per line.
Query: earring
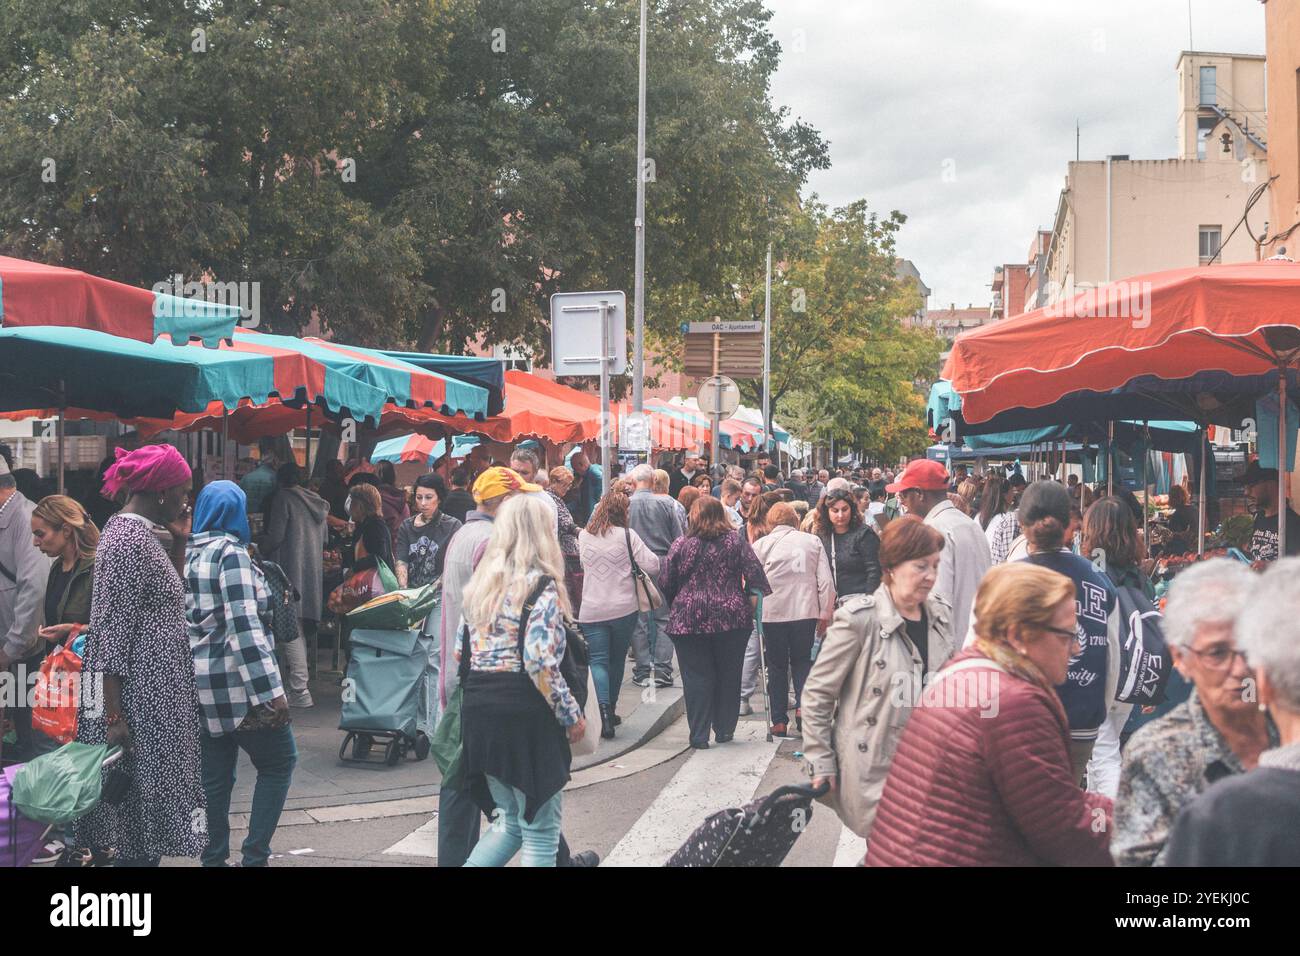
[162,500]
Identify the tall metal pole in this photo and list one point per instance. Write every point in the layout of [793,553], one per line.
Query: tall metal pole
[767,354]
[638,289]
[604,398]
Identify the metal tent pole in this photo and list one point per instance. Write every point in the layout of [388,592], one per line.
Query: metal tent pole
[307,457]
[767,357]
[1283,464]
[63,401]
[1110,457]
[226,468]
[1146,493]
[1200,543]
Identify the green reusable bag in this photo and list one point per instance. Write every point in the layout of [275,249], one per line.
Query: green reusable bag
[407,609]
[60,786]
[447,746]
[386,576]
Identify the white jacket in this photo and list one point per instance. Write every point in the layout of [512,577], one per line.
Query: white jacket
[963,562]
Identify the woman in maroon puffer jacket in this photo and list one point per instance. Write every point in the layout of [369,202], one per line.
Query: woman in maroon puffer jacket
[982,774]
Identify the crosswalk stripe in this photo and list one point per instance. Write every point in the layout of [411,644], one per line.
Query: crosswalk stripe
[725,775]
[850,849]
[421,842]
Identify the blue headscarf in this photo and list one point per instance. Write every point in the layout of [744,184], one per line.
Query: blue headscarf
[222,507]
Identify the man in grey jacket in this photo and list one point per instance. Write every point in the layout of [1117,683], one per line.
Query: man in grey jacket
[295,540]
[922,489]
[24,572]
[657,522]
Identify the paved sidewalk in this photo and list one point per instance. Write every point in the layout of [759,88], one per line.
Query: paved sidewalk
[321,779]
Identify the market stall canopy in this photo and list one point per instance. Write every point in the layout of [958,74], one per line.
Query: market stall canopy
[402,383]
[944,412]
[488,373]
[34,294]
[107,375]
[735,434]
[1187,343]
[421,449]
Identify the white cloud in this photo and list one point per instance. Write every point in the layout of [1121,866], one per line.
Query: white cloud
[993,88]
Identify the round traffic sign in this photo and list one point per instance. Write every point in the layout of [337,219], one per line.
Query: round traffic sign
[718,395]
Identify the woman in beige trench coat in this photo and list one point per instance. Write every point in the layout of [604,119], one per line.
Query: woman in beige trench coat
[871,668]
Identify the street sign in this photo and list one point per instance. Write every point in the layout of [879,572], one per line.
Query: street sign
[634,432]
[724,327]
[739,354]
[719,396]
[575,332]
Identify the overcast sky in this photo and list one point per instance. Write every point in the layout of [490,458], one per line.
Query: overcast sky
[989,90]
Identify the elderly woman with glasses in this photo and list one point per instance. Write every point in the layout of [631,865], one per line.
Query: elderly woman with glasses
[1250,819]
[1219,731]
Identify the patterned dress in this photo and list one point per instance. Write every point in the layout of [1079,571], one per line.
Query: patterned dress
[137,631]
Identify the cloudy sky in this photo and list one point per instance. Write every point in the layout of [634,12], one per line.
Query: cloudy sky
[987,91]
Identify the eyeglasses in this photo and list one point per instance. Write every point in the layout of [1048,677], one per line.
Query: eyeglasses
[1221,657]
[1071,635]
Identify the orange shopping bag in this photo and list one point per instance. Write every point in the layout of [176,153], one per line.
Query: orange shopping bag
[57,694]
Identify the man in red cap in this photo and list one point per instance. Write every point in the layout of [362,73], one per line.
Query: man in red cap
[922,490]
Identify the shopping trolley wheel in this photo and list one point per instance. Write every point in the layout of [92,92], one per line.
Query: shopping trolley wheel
[394,752]
[421,745]
[361,749]
[348,739]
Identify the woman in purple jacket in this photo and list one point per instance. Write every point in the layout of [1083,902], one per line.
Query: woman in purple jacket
[708,576]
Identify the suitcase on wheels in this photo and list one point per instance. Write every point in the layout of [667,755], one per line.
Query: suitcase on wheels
[761,833]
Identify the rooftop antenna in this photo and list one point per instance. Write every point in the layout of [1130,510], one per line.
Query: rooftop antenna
[1076,140]
[1190,44]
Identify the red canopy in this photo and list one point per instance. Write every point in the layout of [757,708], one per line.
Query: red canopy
[1240,319]
[32,293]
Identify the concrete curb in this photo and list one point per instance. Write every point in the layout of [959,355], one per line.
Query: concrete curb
[655,710]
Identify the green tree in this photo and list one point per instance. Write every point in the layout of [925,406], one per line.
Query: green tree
[416,173]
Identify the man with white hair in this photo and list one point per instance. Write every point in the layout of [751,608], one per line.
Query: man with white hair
[1250,819]
[656,521]
[1217,732]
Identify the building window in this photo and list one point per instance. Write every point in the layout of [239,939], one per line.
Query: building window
[1211,236]
[1208,87]
[1204,126]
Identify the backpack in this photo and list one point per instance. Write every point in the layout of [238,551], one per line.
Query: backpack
[1145,663]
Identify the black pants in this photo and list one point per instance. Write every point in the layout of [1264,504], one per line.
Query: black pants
[787,646]
[711,666]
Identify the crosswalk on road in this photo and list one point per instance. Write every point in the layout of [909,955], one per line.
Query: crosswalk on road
[726,775]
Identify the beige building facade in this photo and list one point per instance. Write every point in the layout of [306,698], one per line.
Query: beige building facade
[1282,37]
[1120,217]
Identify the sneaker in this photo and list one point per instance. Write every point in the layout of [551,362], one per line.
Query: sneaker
[745,708]
[663,682]
[50,853]
[725,739]
[641,681]
[586,858]
[779,730]
[303,701]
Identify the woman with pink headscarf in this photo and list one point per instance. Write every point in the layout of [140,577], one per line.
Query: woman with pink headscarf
[138,644]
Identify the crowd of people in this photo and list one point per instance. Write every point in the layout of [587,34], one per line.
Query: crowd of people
[946,646]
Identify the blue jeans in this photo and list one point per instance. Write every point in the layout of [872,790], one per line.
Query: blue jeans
[509,831]
[608,641]
[273,753]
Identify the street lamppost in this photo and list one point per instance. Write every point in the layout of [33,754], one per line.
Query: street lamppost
[638,289]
